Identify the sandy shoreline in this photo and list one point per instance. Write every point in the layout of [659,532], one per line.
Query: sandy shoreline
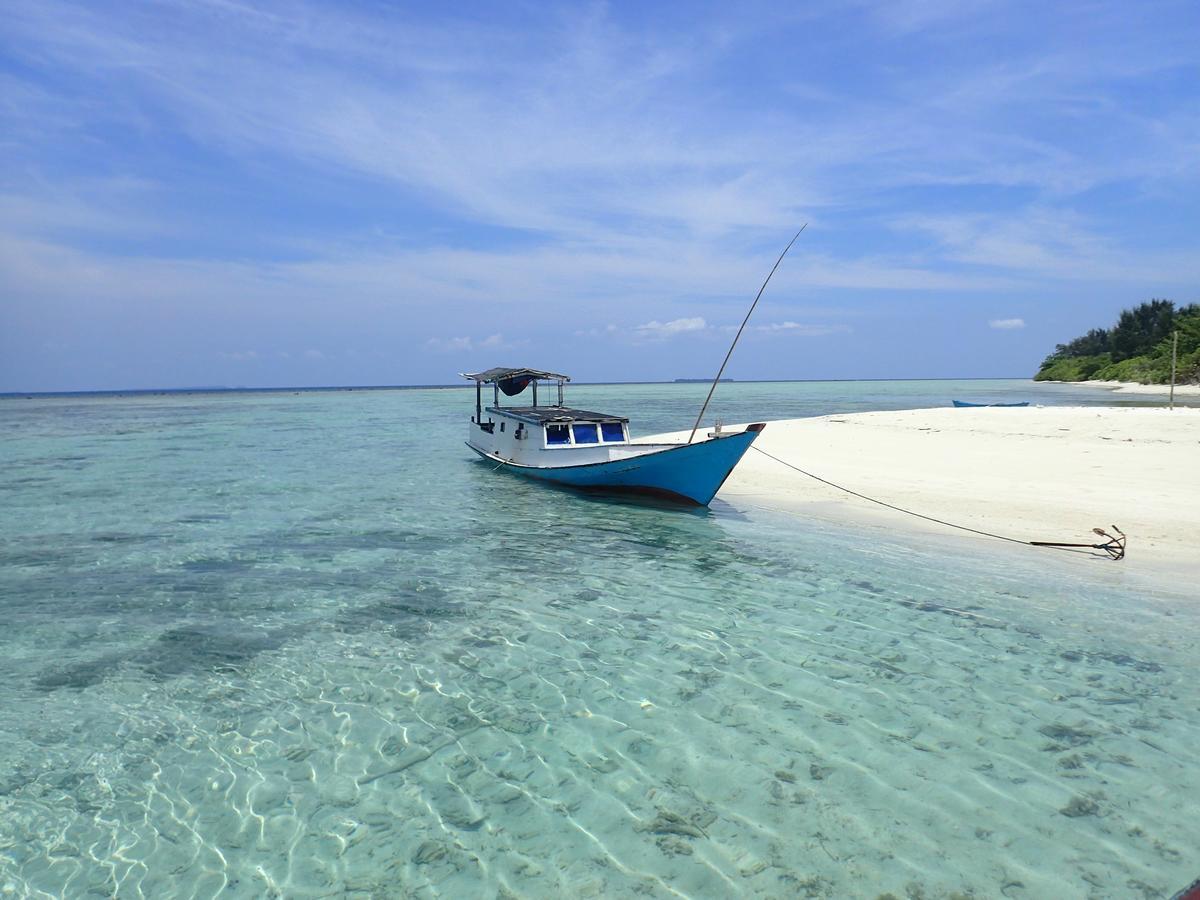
[1040,473]
[1132,387]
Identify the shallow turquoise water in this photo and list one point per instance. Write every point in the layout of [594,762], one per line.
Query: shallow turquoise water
[304,644]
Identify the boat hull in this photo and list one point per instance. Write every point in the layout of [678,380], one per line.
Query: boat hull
[687,473]
[964,404]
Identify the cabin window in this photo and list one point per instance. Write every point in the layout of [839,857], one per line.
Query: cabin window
[557,434]
[586,433]
[612,431]
[501,426]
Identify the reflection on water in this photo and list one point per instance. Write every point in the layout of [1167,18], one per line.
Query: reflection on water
[303,655]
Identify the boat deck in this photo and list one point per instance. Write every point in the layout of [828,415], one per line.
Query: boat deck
[540,415]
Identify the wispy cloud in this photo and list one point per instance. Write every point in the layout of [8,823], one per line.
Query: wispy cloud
[465,344]
[658,331]
[607,331]
[386,169]
[1044,243]
[800,329]
[559,156]
[1006,324]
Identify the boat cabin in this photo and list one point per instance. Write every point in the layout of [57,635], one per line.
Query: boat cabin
[546,426]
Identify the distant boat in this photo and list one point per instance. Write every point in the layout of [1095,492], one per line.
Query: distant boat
[962,403]
[591,450]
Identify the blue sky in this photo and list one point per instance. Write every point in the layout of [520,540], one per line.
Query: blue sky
[209,192]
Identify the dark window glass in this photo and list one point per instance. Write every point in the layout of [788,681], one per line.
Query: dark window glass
[557,434]
[612,431]
[586,434]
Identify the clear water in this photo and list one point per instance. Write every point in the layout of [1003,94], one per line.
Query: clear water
[304,645]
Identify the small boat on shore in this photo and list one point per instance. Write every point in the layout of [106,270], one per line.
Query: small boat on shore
[963,403]
[593,451]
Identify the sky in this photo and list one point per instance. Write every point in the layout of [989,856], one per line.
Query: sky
[218,193]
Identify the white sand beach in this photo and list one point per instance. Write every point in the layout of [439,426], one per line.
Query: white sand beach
[1041,473]
[1133,387]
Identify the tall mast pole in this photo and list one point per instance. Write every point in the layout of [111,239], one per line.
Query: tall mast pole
[721,370]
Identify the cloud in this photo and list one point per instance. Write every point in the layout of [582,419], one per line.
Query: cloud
[799,329]
[624,178]
[607,331]
[403,102]
[463,344]
[451,345]
[1006,324]
[659,331]
[1044,243]
[643,158]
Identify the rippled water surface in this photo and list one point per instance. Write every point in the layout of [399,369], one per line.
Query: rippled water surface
[304,645]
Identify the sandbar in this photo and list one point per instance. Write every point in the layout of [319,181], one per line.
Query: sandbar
[1037,473]
[1134,387]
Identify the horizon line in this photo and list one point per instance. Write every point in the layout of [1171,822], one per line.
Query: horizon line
[418,387]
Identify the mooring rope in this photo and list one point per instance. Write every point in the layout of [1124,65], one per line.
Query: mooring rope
[1114,545]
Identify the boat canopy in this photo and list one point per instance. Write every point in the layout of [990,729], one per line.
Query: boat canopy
[540,415]
[513,381]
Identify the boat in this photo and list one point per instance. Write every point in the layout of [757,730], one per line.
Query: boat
[963,403]
[593,451]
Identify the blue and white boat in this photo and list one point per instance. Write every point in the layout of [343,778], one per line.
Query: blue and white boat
[964,404]
[591,450]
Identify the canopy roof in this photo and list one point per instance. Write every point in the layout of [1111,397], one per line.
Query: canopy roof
[540,415]
[501,374]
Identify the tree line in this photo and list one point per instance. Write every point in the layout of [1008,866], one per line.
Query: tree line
[1137,348]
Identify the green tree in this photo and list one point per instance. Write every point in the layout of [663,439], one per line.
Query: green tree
[1137,348]
[1093,343]
[1187,324]
[1139,329]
